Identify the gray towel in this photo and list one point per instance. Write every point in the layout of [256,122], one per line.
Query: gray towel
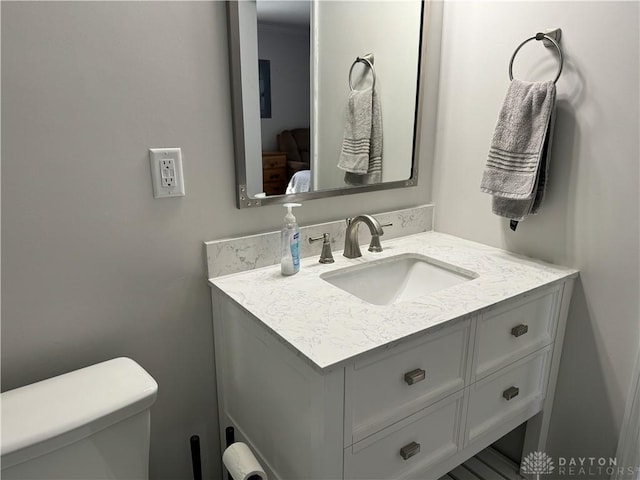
[361,155]
[516,170]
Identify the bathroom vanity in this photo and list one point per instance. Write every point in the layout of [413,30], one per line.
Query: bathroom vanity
[323,384]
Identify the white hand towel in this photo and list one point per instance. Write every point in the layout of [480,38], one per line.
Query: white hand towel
[299,182]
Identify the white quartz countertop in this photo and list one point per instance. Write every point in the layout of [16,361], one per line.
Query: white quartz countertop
[329,327]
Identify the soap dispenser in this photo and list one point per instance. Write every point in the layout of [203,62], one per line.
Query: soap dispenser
[290,242]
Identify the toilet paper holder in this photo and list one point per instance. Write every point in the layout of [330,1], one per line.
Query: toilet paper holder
[230,440]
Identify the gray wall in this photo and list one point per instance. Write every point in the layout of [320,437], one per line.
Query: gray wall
[92,266]
[590,216]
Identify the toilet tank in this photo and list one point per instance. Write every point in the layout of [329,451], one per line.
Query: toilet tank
[92,423]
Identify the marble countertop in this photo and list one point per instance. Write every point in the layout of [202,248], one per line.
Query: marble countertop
[329,327]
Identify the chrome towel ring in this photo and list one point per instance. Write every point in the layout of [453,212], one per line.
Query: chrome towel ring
[367,60]
[538,36]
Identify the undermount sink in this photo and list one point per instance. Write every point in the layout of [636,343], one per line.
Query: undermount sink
[397,279]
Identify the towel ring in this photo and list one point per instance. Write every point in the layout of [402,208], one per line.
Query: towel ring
[367,60]
[538,36]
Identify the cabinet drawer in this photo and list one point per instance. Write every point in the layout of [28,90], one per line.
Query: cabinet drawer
[515,330]
[514,390]
[274,160]
[394,384]
[425,438]
[274,175]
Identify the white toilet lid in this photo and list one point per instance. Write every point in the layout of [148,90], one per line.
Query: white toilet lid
[46,415]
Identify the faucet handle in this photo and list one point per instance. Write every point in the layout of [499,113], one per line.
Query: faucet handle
[326,256]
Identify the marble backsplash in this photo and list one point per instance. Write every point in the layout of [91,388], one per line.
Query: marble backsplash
[233,255]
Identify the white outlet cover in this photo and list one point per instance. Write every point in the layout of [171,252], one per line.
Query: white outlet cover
[156,158]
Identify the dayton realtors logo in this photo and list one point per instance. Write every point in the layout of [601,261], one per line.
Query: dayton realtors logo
[600,467]
[537,463]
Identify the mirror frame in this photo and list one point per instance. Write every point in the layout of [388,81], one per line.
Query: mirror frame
[239,132]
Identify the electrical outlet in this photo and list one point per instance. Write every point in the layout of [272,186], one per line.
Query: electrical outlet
[166,172]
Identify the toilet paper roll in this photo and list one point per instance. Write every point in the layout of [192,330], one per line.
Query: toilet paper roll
[241,463]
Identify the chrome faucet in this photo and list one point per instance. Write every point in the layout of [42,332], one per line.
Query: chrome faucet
[351,245]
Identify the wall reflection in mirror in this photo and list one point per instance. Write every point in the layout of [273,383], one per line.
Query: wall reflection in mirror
[284,42]
[326,121]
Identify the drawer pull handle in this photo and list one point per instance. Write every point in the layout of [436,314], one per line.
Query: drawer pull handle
[510,393]
[410,450]
[414,376]
[519,330]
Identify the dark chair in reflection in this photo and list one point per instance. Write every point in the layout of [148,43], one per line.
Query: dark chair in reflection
[296,144]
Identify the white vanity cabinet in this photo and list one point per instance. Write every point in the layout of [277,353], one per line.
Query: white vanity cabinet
[415,408]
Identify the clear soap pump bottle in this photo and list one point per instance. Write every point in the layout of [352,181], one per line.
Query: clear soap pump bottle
[290,242]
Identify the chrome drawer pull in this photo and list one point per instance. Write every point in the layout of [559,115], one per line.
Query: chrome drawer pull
[414,376]
[519,330]
[410,450]
[510,393]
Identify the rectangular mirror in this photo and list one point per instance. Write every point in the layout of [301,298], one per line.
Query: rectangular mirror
[326,96]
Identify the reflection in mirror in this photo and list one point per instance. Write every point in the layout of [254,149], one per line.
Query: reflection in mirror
[344,31]
[332,128]
[284,44]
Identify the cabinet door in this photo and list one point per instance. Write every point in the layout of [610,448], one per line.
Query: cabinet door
[407,449]
[514,330]
[390,386]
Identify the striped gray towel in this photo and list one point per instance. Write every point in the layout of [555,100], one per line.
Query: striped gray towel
[516,170]
[361,155]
